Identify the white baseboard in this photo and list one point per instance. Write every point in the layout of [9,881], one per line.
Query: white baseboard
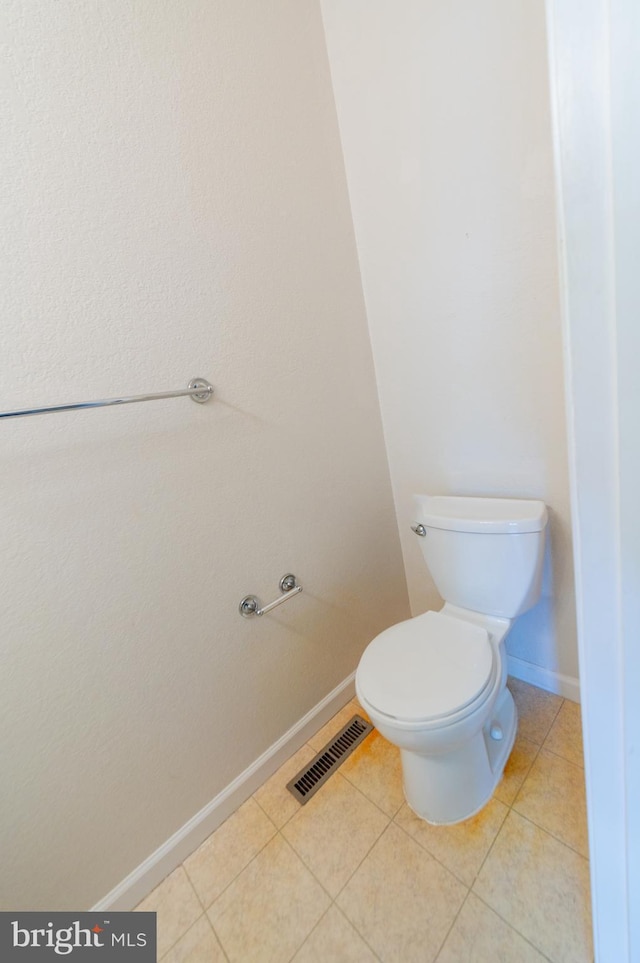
[175,850]
[564,685]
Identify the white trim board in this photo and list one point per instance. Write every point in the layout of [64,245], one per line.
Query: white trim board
[595,85]
[563,685]
[186,840]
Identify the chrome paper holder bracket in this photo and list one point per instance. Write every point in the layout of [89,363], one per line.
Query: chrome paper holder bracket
[251,606]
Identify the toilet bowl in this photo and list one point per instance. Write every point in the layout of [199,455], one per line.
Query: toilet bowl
[435,685]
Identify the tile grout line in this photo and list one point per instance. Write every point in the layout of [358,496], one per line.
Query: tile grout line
[551,835]
[453,923]
[510,805]
[553,721]
[431,855]
[309,934]
[217,936]
[537,752]
[489,851]
[253,858]
[334,905]
[517,795]
[530,818]
[510,925]
[186,872]
[351,923]
[333,900]
[373,802]
[204,914]
[544,744]
[278,828]
[559,755]
[511,809]
[242,869]
[471,888]
[231,881]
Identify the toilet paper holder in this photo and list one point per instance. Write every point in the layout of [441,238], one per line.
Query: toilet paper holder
[251,606]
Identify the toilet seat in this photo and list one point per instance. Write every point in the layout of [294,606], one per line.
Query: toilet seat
[432,668]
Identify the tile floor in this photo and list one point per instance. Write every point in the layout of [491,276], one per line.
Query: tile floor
[355,877]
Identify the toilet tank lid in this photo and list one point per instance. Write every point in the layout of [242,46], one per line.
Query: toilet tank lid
[458,513]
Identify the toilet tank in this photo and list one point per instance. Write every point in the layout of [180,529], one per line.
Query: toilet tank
[484,554]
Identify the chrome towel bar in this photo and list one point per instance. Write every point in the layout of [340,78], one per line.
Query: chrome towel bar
[251,606]
[198,390]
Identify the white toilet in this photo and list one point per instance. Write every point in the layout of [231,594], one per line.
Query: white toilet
[435,685]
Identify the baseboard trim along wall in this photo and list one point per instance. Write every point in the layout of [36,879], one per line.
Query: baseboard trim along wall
[564,685]
[168,857]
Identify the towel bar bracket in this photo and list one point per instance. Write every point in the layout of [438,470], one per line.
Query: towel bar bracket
[201,390]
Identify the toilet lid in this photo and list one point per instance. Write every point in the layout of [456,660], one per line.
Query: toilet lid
[427,667]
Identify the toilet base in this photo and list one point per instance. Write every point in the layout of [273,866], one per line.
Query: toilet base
[451,787]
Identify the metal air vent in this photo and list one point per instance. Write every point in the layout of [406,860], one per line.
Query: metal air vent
[308,781]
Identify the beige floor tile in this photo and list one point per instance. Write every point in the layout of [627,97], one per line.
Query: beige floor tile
[553,797]
[480,936]
[375,769]
[177,906]
[274,797]
[357,708]
[401,900]
[228,850]
[198,945]
[515,772]
[334,832]
[333,726]
[565,737]
[537,710]
[266,914]
[541,888]
[334,940]
[462,848]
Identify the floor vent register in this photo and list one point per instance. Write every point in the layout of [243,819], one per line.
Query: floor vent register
[308,780]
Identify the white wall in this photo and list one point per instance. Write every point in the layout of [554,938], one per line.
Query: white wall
[176,206]
[444,117]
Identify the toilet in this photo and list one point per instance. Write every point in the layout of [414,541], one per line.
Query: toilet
[435,685]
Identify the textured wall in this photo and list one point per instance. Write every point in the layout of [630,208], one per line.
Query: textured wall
[176,206]
[444,118]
